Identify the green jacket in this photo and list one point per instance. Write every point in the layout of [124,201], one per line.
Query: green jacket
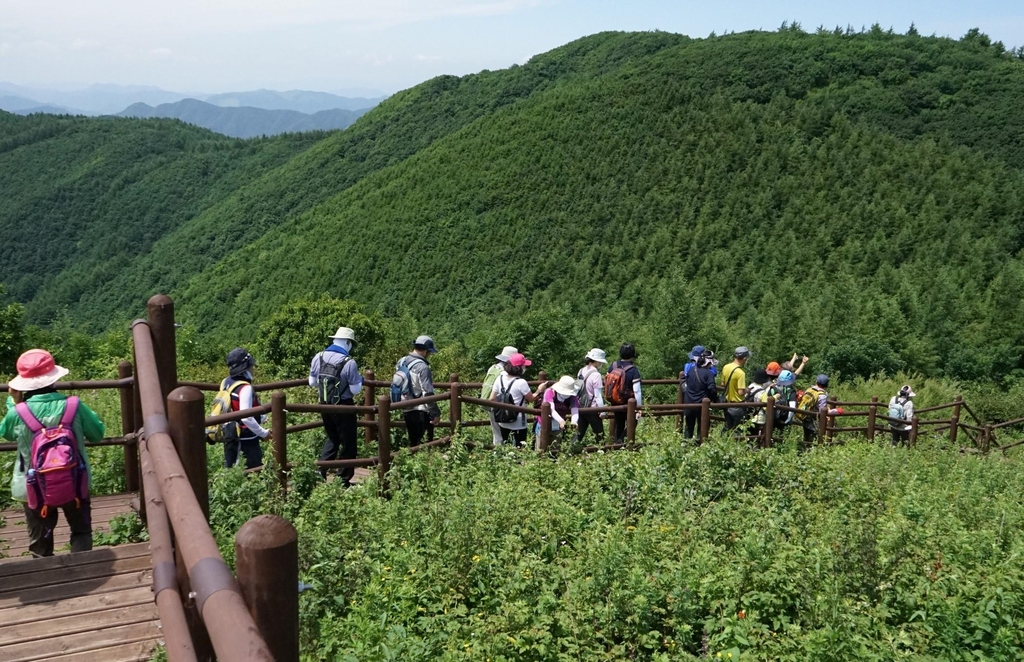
[48,408]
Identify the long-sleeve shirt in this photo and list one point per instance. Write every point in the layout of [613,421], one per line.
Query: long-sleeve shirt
[245,401]
[574,408]
[350,377]
[48,408]
[908,412]
[422,382]
[593,385]
[698,384]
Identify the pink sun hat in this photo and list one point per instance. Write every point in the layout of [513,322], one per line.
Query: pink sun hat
[518,359]
[36,370]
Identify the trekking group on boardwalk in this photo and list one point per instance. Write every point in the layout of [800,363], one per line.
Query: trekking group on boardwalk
[52,471]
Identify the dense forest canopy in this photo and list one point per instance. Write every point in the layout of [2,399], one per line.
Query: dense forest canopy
[858,196]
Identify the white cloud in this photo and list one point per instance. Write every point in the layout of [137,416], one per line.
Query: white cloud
[160,52]
[428,58]
[82,44]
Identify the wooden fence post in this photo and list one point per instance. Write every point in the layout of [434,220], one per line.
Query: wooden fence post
[544,440]
[383,442]
[267,565]
[279,432]
[769,422]
[160,313]
[186,423]
[131,451]
[831,428]
[987,433]
[455,405]
[631,421]
[370,400]
[913,432]
[705,419]
[679,401]
[872,414]
[954,422]
[822,424]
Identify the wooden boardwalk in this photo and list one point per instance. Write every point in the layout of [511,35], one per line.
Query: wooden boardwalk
[91,607]
[14,537]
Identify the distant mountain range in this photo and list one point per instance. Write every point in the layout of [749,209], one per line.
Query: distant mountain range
[111,99]
[246,121]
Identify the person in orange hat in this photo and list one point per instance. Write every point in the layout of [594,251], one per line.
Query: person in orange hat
[33,408]
[773,369]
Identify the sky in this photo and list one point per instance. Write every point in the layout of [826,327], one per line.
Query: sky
[208,46]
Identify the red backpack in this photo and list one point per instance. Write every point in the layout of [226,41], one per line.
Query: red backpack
[615,385]
[56,469]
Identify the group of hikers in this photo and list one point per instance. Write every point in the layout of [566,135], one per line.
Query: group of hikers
[52,469]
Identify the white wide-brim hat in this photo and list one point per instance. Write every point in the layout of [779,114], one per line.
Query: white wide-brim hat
[597,355]
[508,351]
[38,381]
[344,333]
[565,385]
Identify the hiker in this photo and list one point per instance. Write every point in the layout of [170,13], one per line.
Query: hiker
[34,411]
[788,365]
[698,384]
[492,375]
[413,380]
[591,394]
[734,387]
[246,436]
[773,369]
[511,388]
[622,383]
[901,407]
[755,388]
[335,376]
[565,407]
[695,353]
[813,400]
[782,390]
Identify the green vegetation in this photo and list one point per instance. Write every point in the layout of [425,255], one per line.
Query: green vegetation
[856,196]
[856,552]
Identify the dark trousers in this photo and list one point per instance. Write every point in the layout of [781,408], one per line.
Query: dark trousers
[901,437]
[620,426]
[690,417]
[250,448]
[810,436]
[518,436]
[342,437]
[733,417]
[590,421]
[417,423]
[40,529]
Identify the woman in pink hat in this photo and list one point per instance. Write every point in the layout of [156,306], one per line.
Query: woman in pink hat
[35,404]
[512,383]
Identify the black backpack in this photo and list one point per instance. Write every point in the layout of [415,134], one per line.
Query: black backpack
[505,397]
[328,380]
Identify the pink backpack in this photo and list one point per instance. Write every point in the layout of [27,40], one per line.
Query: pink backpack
[56,470]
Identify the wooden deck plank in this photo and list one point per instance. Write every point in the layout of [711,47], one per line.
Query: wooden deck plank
[93,571]
[86,641]
[140,651]
[74,589]
[80,604]
[102,555]
[67,625]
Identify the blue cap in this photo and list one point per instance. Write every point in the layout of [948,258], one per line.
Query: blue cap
[787,378]
[696,351]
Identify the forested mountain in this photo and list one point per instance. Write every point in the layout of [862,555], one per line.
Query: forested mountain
[857,196]
[246,122]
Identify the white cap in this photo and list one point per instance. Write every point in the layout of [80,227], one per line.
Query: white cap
[344,333]
[597,355]
[508,351]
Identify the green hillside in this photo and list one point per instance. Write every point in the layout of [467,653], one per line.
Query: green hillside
[856,196]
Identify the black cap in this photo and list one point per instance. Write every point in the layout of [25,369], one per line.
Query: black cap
[627,351]
[239,360]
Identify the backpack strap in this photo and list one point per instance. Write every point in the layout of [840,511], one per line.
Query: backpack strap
[70,409]
[27,417]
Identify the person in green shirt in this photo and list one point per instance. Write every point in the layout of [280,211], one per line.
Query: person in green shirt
[34,385]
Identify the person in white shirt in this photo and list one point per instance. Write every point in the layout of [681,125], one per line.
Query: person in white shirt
[592,394]
[901,406]
[493,373]
[512,382]
[250,432]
